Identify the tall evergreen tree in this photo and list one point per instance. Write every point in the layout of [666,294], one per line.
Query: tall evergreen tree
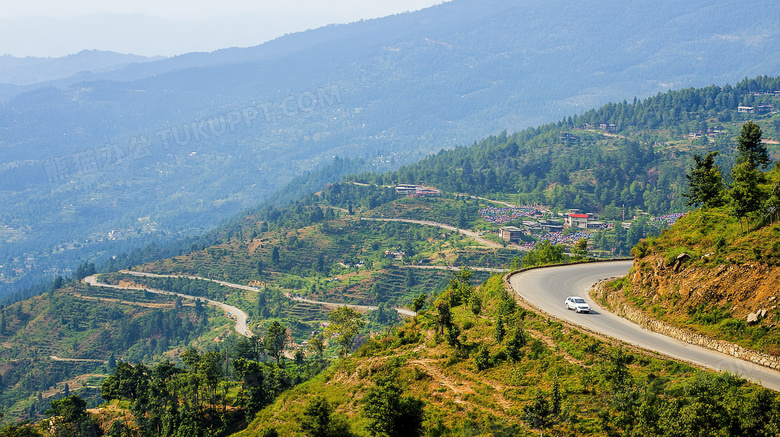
[750,148]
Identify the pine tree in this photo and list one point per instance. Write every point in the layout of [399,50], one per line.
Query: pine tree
[705,182]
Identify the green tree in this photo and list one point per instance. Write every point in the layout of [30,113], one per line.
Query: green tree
[460,287]
[750,148]
[515,344]
[443,316]
[276,340]
[773,202]
[500,330]
[746,193]
[318,420]
[317,346]
[73,419]
[544,253]
[419,302]
[210,371]
[390,414]
[705,182]
[482,358]
[475,304]
[616,369]
[127,382]
[581,248]
[254,384]
[538,414]
[345,322]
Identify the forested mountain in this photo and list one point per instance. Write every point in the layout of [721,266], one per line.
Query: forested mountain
[175,146]
[626,155]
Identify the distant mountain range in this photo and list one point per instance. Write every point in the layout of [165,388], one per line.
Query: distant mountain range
[102,161]
[34,70]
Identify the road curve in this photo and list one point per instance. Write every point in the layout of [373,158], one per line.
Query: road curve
[548,288]
[470,234]
[401,311]
[240,316]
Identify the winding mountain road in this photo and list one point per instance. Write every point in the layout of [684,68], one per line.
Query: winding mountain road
[547,289]
[456,269]
[240,316]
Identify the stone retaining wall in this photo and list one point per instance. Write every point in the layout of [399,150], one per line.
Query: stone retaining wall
[615,303]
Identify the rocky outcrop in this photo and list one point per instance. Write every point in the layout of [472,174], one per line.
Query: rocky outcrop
[685,283]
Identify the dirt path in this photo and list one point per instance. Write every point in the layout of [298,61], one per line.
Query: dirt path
[76,360]
[470,234]
[458,387]
[233,312]
[124,302]
[507,204]
[457,269]
[401,311]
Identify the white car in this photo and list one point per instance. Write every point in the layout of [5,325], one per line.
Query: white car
[578,304]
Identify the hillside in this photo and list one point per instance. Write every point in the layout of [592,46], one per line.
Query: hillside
[74,332]
[191,133]
[538,375]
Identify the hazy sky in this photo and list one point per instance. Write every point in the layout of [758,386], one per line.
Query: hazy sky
[169,27]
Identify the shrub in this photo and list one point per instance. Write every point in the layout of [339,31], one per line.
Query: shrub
[482,358]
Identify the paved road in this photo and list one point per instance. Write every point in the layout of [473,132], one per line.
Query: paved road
[401,311]
[240,316]
[548,288]
[470,234]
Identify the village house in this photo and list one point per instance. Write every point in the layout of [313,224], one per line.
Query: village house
[510,233]
[416,190]
[552,225]
[577,221]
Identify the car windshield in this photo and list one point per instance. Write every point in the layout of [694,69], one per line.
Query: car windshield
[579,300]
